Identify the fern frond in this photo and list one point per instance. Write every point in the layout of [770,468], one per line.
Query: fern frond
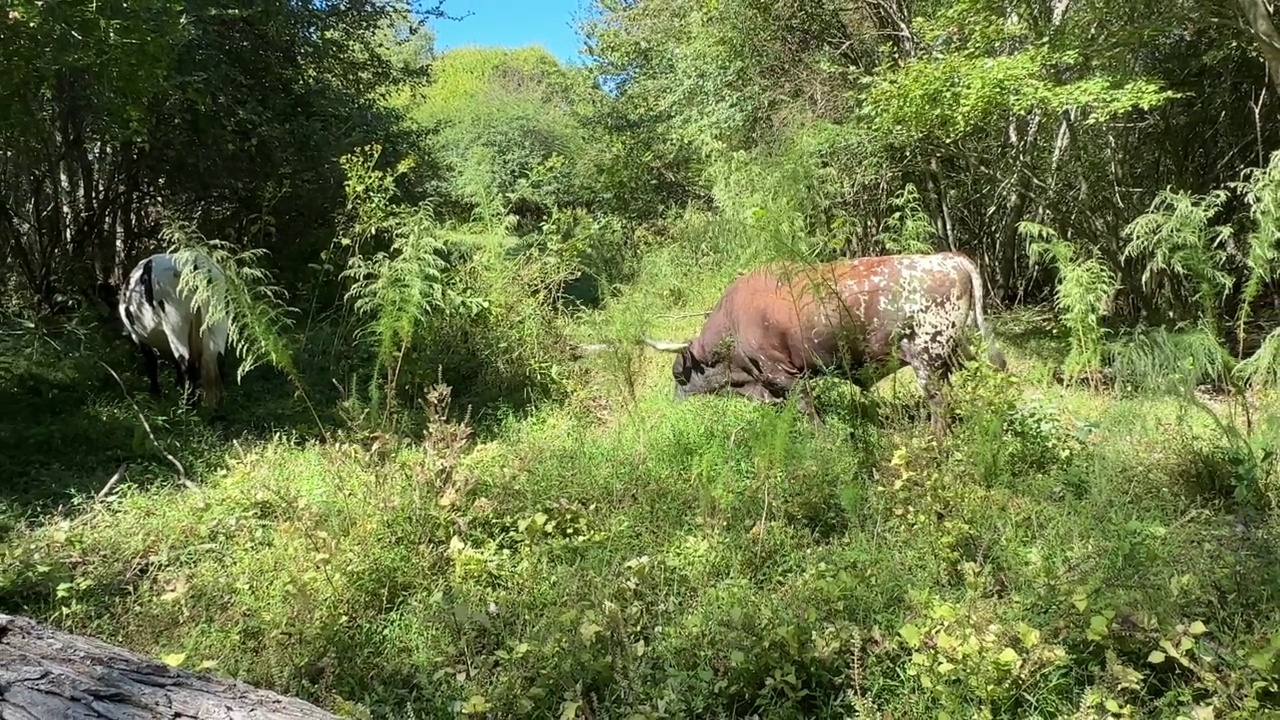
[1184,253]
[1261,370]
[255,309]
[1082,297]
[1261,188]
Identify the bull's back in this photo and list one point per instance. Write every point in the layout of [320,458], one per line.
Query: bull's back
[166,321]
[797,317]
[847,310]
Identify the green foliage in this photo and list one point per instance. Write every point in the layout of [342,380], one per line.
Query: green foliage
[946,97]
[1083,295]
[402,290]
[1260,372]
[908,229]
[963,82]
[1005,435]
[971,656]
[602,551]
[766,198]
[692,558]
[1184,255]
[507,130]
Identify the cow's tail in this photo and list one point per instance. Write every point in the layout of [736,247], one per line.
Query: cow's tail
[994,355]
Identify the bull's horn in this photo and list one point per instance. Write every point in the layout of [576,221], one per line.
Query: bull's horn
[662,346]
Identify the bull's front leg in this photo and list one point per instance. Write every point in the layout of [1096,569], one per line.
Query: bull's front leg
[775,391]
[150,365]
[938,415]
[806,405]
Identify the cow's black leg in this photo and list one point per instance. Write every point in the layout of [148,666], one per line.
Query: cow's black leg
[179,379]
[222,368]
[150,365]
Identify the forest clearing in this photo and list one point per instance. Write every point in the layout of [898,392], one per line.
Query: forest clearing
[418,497]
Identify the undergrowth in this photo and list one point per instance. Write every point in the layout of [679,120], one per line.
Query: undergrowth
[1070,551]
[712,558]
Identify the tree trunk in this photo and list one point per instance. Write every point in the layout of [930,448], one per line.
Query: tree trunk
[46,674]
[1258,16]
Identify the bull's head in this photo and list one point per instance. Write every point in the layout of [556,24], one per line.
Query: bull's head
[694,375]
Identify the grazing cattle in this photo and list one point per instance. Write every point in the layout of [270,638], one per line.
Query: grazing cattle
[159,318]
[777,325]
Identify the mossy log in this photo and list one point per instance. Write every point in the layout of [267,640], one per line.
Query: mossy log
[47,674]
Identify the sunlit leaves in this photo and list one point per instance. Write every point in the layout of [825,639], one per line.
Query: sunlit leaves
[506,123]
[948,97]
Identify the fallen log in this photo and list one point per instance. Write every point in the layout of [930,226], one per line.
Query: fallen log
[47,674]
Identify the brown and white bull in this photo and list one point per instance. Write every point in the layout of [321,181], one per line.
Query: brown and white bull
[778,325]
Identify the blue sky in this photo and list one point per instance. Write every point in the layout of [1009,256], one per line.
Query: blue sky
[514,23]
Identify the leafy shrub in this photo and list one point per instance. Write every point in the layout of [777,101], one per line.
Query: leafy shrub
[1006,436]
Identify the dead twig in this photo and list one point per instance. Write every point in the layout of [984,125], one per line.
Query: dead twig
[182,473]
[112,482]
[677,316]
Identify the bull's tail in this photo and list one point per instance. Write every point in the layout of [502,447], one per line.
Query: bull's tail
[988,337]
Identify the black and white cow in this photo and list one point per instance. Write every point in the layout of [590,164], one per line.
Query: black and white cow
[161,319]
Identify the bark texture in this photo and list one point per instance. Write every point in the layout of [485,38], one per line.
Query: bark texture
[47,674]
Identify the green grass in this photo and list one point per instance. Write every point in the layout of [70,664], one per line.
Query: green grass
[640,558]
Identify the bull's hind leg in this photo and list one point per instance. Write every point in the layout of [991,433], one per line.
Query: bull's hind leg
[192,368]
[932,370]
[179,377]
[222,368]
